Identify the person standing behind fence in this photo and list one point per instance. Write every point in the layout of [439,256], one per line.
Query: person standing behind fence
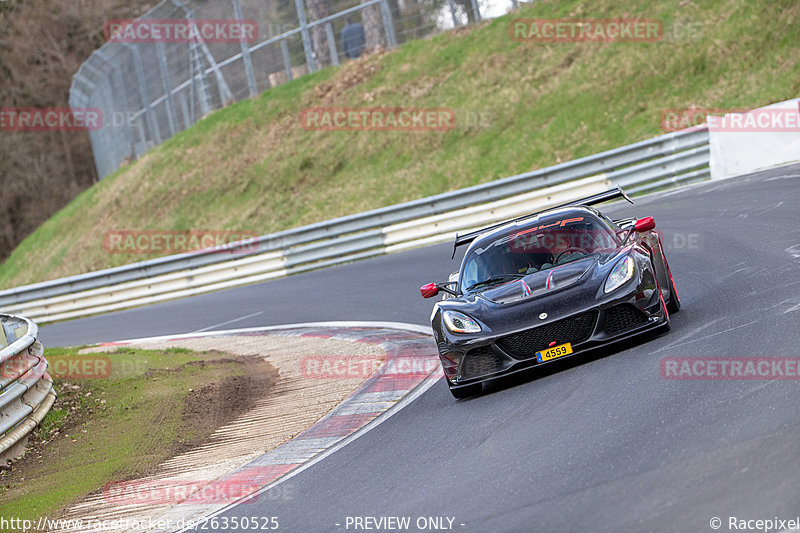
[352,38]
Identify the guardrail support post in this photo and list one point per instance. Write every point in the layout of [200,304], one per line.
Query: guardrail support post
[225,94]
[388,25]
[199,85]
[331,43]
[145,94]
[476,11]
[301,17]
[162,66]
[248,63]
[185,110]
[287,62]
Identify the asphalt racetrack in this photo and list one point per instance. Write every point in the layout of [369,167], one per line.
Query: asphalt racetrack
[601,443]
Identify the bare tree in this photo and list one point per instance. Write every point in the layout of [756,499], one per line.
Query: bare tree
[319,9]
[373,28]
[42,44]
[466,6]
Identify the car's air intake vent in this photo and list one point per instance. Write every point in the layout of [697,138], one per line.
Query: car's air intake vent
[443,347]
[480,362]
[574,329]
[622,318]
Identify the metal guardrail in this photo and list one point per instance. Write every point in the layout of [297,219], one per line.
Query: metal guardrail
[668,160]
[26,389]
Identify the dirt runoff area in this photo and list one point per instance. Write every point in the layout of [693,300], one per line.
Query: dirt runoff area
[291,404]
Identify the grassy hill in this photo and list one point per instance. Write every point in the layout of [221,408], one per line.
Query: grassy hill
[518,106]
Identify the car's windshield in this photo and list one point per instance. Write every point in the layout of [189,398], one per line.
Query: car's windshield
[550,243]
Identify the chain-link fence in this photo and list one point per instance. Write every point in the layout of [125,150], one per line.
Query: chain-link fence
[157,75]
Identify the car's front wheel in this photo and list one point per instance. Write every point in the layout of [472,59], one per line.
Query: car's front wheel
[466,392]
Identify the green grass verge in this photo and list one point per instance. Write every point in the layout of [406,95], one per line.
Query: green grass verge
[252,167]
[119,422]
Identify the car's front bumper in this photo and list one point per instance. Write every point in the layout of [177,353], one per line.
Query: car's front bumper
[510,352]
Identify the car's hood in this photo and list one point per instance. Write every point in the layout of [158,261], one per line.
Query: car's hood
[540,283]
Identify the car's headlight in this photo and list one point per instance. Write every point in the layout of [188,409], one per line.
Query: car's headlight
[621,273]
[460,323]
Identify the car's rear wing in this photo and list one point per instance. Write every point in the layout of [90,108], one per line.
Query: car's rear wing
[595,199]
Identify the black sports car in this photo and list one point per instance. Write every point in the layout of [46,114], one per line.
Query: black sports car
[546,286]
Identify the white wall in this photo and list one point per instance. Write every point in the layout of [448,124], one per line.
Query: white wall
[737,149]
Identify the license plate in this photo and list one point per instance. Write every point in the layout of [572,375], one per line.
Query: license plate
[554,353]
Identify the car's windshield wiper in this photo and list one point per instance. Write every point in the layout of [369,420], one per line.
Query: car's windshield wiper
[495,279]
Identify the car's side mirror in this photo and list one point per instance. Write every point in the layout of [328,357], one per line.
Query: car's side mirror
[645,224]
[429,291]
[432,289]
